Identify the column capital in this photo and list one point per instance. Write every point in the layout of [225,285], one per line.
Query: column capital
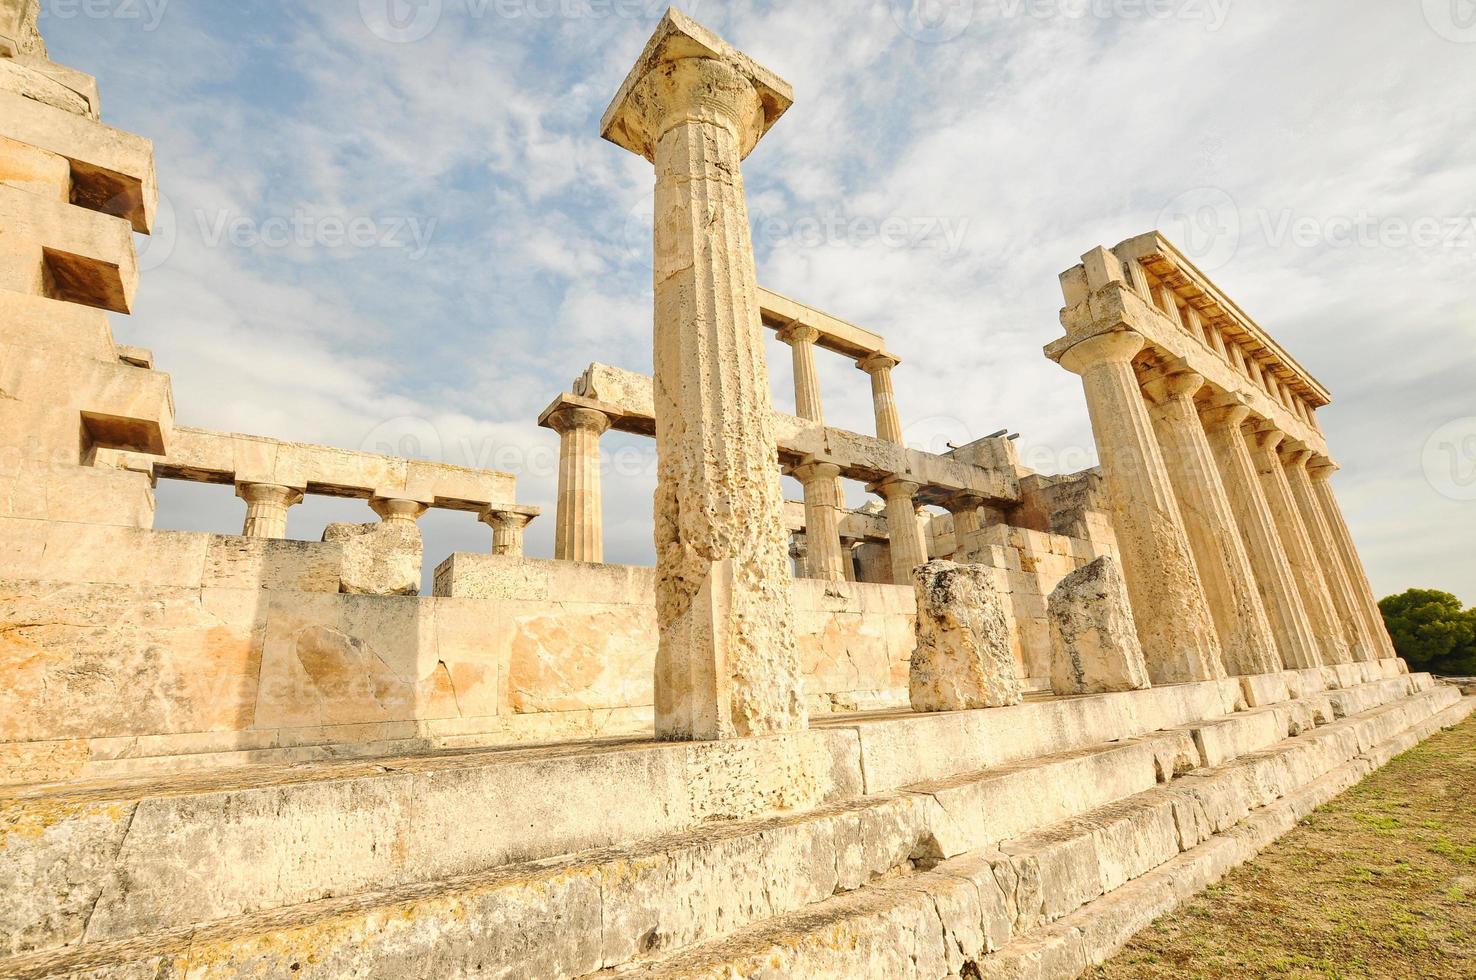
[895,488]
[393,510]
[1118,347]
[572,418]
[1227,412]
[963,502]
[812,470]
[878,363]
[1295,453]
[1322,468]
[269,493]
[1266,437]
[687,73]
[1174,383]
[798,333]
[513,518]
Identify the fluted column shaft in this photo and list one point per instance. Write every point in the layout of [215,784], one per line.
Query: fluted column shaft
[1169,605]
[1328,631]
[884,398]
[1281,596]
[266,508]
[826,559]
[727,664]
[1246,640]
[1321,472]
[801,340]
[908,548]
[579,523]
[1325,549]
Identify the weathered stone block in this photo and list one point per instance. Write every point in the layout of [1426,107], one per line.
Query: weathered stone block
[963,657]
[379,559]
[1095,644]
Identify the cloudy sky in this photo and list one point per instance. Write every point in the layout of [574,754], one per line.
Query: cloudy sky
[391,224]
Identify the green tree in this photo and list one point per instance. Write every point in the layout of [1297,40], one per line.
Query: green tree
[1432,631]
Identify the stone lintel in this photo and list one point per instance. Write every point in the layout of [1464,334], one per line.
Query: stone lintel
[675,38]
[836,335]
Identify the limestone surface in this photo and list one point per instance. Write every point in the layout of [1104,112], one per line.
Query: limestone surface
[1095,648]
[963,658]
[379,559]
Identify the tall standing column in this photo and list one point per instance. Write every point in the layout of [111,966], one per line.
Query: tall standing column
[266,508]
[579,526]
[1169,605]
[823,503]
[884,396]
[908,547]
[1246,640]
[1280,595]
[726,665]
[1265,444]
[801,340]
[1325,549]
[1321,471]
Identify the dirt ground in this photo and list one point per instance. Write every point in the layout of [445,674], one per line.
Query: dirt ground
[1379,883]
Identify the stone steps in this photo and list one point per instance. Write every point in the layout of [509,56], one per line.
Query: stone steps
[1034,907]
[578,914]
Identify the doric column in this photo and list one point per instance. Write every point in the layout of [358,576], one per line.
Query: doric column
[1325,549]
[884,397]
[1169,605]
[1331,642]
[266,508]
[1246,641]
[823,505]
[508,525]
[1321,470]
[1280,595]
[966,517]
[395,510]
[726,665]
[908,547]
[801,340]
[578,529]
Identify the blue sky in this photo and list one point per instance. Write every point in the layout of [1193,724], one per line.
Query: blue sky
[404,233]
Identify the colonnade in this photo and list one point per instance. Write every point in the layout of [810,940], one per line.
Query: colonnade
[1236,553]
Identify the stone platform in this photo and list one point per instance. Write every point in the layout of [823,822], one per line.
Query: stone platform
[1028,841]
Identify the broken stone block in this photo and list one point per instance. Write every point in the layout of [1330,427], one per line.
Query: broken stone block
[1094,645]
[963,657]
[378,559]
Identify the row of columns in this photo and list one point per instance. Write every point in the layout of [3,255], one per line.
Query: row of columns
[1237,556]
[267,505]
[801,339]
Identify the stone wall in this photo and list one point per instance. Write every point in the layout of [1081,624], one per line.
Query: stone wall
[124,646]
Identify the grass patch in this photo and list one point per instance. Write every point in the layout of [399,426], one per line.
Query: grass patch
[1379,883]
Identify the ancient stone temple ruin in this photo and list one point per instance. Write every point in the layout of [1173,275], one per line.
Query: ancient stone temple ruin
[812,742]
